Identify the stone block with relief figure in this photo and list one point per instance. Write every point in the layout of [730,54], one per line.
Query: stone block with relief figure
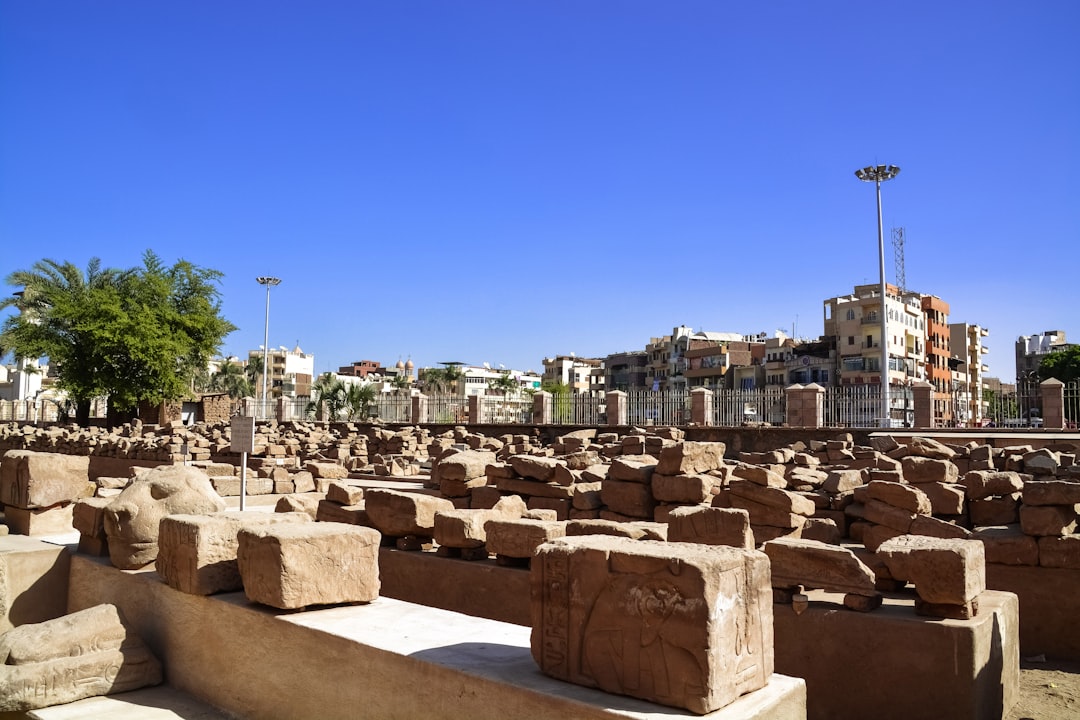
[684,625]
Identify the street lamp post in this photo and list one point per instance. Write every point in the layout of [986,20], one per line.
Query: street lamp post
[878,174]
[269,282]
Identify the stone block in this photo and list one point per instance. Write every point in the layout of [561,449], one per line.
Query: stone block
[634,499]
[396,514]
[1008,545]
[197,553]
[31,479]
[326,470]
[986,483]
[560,507]
[949,572]
[85,654]
[465,528]
[1051,492]
[689,457]
[56,520]
[1060,552]
[534,467]
[945,498]
[759,475]
[711,526]
[842,481]
[33,581]
[818,565]
[327,511]
[683,625]
[761,514]
[637,469]
[906,497]
[995,510]
[936,527]
[520,538]
[686,488]
[299,503]
[294,565]
[783,500]
[921,469]
[342,494]
[1048,520]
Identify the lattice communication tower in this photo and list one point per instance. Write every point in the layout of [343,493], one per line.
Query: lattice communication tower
[898,258]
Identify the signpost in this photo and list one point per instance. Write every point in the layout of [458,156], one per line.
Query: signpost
[243,442]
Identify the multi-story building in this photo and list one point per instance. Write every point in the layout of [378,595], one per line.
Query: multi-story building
[939,369]
[800,362]
[969,373]
[570,370]
[711,355]
[855,322]
[1032,349]
[477,380]
[626,370]
[361,369]
[666,360]
[289,373]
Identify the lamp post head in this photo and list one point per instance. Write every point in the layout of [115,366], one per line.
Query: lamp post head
[877,173]
[268,281]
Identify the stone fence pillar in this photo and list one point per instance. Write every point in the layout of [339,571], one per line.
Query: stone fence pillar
[248,407]
[616,408]
[701,406]
[1052,394]
[542,408]
[476,409]
[805,405]
[419,409]
[922,394]
[284,409]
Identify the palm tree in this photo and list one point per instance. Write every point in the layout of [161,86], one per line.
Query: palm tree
[400,382]
[434,379]
[358,398]
[453,373]
[231,378]
[254,370]
[329,397]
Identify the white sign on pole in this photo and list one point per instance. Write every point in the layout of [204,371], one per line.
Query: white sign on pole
[243,434]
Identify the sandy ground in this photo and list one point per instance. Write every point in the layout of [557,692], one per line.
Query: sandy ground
[1048,691]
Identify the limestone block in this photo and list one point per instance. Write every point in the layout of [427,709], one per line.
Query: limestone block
[759,475]
[88,517]
[303,482]
[949,572]
[761,514]
[397,514]
[55,520]
[997,510]
[684,625]
[342,494]
[818,565]
[132,519]
[689,457]
[84,654]
[840,481]
[587,496]
[534,467]
[936,527]
[520,538]
[1042,462]
[349,514]
[465,465]
[31,479]
[1060,552]
[922,469]
[711,526]
[689,488]
[923,447]
[465,528]
[907,497]
[945,498]
[298,503]
[293,565]
[824,530]
[881,513]
[633,531]
[563,475]
[773,497]
[326,470]
[1052,492]
[986,483]
[197,553]
[1008,545]
[1048,520]
[628,498]
[637,469]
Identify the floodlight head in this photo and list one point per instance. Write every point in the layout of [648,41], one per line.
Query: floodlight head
[879,173]
[268,281]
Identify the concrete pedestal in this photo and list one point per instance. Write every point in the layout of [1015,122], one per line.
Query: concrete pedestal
[891,663]
[33,581]
[1049,607]
[388,659]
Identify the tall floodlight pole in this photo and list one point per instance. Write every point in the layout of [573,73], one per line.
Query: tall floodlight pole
[269,282]
[878,174]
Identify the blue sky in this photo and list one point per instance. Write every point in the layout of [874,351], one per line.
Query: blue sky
[501,181]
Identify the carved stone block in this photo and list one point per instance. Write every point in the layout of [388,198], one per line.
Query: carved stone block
[293,565]
[31,479]
[684,625]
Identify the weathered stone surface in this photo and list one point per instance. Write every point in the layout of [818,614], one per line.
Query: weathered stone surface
[680,624]
[342,494]
[711,526]
[881,513]
[55,520]
[943,571]
[922,469]
[1051,492]
[761,514]
[1048,520]
[33,480]
[535,488]
[397,514]
[997,510]
[945,499]
[923,447]
[132,519]
[818,565]
[633,531]
[326,470]
[84,654]
[694,488]
[465,465]
[759,475]
[1060,552]
[1008,545]
[520,538]
[637,469]
[197,553]
[1042,462]
[465,528]
[778,498]
[629,498]
[293,565]
[534,467]
[906,497]
[587,496]
[349,514]
[936,527]
[986,483]
[689,457]
[840,481]
[298,503]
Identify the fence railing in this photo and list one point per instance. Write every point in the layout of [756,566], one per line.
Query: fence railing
[578,408]
[1072,405]
[392,408]
[506,410]
[1021,407]
[732,408]
[645,407]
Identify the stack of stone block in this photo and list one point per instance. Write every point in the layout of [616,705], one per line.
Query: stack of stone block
[39,490]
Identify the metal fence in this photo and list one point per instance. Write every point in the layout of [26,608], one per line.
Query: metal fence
[506,410]
[853,406]
[392,408]
[1072,405]
[578,408]
[447,409]
[1021,407]
[732,408]
[645,407]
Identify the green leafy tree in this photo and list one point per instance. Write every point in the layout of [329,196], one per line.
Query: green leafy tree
[230,378]
[132,335]
[1063,365]
[561,400]
[358,400]
[254,371]
[434,379]
[400,382]
[505,384]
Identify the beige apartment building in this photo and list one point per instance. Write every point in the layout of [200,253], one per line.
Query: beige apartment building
[966,342]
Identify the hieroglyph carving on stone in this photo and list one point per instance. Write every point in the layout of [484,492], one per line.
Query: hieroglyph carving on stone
[683,625]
